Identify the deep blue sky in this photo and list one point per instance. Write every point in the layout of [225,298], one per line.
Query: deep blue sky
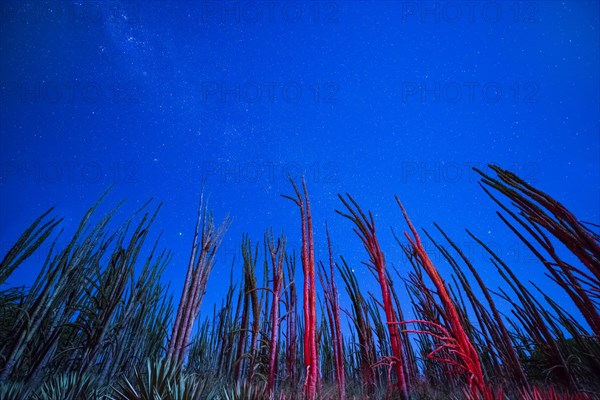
[143,94]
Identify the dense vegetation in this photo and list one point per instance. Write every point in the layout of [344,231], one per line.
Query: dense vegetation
[96,323]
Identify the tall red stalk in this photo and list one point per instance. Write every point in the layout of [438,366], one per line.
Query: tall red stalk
[504,342]
[461,344]
[365,229]
[311,356]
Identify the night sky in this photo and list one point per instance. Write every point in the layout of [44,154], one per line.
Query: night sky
[377,98]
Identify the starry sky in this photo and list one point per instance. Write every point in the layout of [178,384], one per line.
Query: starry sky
[164,99]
